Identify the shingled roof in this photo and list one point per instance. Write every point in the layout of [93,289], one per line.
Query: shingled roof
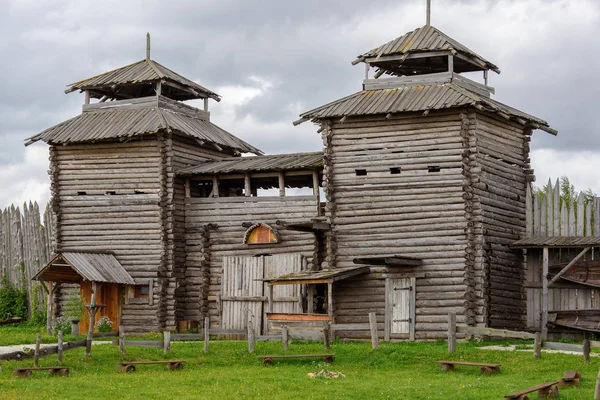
[275,162]
[145,116]
[426,39]
[418,98]
[147,71]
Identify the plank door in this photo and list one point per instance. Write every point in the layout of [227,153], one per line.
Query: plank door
[241,292]
[286,298]
[402,297]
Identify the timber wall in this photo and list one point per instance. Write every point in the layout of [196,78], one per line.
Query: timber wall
[127,223]
[206,244]
[500,176]
[413,213]
[186,153]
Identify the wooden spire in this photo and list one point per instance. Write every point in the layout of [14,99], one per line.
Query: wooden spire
[147,45]
[428,12]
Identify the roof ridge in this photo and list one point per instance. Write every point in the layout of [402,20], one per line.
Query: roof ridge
[105,73]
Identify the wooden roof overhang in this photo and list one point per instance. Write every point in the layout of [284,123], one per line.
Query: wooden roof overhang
[317,277]
[315,225]
[77,267]
[390,261]
[556,242]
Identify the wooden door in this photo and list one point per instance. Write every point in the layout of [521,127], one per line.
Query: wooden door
[109,296]
[401,297]
[242,292]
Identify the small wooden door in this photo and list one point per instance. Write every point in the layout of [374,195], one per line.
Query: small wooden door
[401,298]
[109,295]
[243,293]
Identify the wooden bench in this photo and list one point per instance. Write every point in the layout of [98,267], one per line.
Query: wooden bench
[485,368]
[129,366]
[27,372]
[268,360]
[545,390]
[570,378]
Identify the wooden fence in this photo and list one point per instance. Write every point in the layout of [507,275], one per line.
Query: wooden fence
[25,247]
[547,215]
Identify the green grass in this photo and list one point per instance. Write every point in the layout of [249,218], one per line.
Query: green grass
[395,370]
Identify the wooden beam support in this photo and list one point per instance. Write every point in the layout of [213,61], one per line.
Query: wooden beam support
[188,188]
[569,265]
[247,186]
[281,178]
[451,63]
[215,192]
[206,104]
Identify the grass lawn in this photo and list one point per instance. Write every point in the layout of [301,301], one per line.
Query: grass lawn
[395,370]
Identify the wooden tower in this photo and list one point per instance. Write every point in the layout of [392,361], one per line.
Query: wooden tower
[113,182]
[423,164]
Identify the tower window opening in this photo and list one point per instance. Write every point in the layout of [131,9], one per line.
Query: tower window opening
[360,172]
[395,170]
[434,168]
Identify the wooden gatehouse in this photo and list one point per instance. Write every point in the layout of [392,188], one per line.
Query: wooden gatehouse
[408,212]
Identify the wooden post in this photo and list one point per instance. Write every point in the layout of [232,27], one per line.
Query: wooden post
[326,337]
[167,342]
[206,104]
[284,337]
[452,333]
[485,77]
[281,184]
[188,188]
[544,326]
[90,335]
[387,324]
[330,307]
[49,308]
[270,294]
[121,340]
[586,350]
[451,63]
[206,333]
[310,299]
[60,347]
[247,186]
[428,12]
[374,334]
[250,335]
[87,97]
[537,346]
[36,354]
[215,192]
[597,392]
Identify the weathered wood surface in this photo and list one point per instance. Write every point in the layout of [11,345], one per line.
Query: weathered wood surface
[268,359]
[458,221]
[130,366]
[207,245]
[43,352]
[485,367]
[25,247]
[545,390]
[27,372]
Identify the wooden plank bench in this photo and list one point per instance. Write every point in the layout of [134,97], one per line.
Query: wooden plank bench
[27,372]
[485,368]
[545,390]
[570,378]
[129,366]
[268,360]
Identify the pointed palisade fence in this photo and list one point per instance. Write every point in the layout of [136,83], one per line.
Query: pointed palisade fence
[25,247]
[548,215]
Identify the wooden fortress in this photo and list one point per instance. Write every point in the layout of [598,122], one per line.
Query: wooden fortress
[407,212]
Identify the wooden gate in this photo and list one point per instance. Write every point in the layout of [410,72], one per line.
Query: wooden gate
[243,293]
[401,297]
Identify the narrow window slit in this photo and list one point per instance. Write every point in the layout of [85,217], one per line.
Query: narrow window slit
[395,170]
[81,193]
[360,172]
[434,168]
[110,193]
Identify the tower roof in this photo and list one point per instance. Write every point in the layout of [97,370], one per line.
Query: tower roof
[125,119]
[423,51]
[138,80]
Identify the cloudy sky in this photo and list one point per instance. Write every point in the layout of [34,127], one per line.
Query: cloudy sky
[272,59]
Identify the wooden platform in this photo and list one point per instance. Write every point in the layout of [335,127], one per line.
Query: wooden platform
[27,372]
[129,366]
[545,390]
[485,368]
[268,360]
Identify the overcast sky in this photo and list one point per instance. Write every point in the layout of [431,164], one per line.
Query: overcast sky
[273,59]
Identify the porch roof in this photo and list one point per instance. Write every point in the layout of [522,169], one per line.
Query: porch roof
[556,241]
[315,277]
[77,267]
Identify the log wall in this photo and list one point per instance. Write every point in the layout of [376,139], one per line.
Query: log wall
[500,176]
[186,283]
[400,207]
[207,244]
[107,197]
